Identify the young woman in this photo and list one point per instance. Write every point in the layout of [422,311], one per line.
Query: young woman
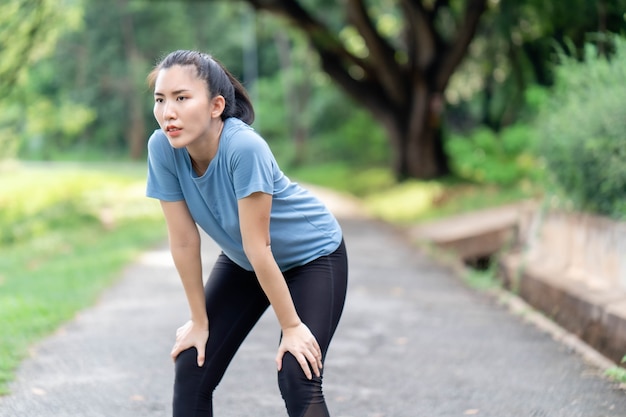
[280,245]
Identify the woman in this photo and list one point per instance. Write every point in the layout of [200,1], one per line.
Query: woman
[280,245]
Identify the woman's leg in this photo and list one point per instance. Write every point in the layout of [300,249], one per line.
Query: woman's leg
[318,290]
[235,302]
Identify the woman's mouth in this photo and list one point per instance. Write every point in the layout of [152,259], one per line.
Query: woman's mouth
[173,130]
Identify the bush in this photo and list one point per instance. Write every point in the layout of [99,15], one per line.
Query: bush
[489,158]
[582,132]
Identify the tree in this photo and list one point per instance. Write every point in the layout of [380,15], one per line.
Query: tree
[516,47]
[29,30]
[403,60]
[25,27]
[91,93]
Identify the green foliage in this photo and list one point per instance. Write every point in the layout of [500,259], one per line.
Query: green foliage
[410,201]
[489,158]
[90,90]
[353,137]
[91,221]
[415,201]
[482,280]
[29,32]
[36,200]
[332,127]
[617,373]
[513,50]
[343,177]
[405,202]
[582,132]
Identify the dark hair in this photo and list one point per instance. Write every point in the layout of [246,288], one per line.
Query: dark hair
[219,81]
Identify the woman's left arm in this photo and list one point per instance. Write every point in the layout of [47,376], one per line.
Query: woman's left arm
[254,222]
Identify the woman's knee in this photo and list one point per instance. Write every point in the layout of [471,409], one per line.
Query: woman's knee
[298,392]
[189,377]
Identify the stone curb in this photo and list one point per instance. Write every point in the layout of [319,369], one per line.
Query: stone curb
[596,316]
[591,322]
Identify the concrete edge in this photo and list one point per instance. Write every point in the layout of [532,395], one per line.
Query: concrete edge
[517,306]
[429,240]
[597,318]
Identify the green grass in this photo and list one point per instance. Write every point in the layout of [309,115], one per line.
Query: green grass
[412,201]
[618,373]
[341,177]
[68,230]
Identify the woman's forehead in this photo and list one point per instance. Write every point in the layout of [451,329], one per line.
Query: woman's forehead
[178,76]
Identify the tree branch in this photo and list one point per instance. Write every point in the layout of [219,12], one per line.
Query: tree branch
[457,49]
[381,57]
[335,59]
[421,37]
[438,5]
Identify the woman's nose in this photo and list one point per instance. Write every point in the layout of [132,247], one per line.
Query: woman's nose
[168,112]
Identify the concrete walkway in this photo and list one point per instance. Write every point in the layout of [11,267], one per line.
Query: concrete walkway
[414,341]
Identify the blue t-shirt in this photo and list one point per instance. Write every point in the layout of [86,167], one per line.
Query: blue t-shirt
[301,227]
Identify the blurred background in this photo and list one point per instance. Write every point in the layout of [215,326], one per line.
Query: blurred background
[419,109]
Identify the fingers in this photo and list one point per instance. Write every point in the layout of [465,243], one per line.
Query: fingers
[309,359]
[314,358]
[175,351]
[318,357]
[200,357]
[279,358]
[188,337]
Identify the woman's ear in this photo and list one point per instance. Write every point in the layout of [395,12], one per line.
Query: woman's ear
[218,103]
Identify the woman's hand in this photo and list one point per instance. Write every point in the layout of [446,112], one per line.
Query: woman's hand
[301,343]
[190,335]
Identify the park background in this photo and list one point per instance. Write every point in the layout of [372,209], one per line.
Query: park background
[418,109]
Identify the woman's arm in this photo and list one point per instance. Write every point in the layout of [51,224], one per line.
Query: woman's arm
[184,240]
[254,219]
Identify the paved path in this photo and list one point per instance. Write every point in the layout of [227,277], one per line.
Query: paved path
[414,342]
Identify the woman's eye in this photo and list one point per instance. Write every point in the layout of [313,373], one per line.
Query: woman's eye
[158,100]
[181,98]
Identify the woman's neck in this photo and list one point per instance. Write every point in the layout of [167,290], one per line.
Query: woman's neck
[203,152]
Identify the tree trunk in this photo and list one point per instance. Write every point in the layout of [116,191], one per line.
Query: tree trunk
[404,94]
[136,123]
[296,95]
[417,138]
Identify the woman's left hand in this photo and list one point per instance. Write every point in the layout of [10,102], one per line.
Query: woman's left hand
[300,342]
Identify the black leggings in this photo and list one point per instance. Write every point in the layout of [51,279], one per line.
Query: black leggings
[235,302]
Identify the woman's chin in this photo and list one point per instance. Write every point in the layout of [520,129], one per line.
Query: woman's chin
[176,143]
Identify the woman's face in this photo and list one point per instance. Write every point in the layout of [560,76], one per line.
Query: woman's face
[182,106]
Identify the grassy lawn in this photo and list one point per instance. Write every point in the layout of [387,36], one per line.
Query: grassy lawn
[66,231]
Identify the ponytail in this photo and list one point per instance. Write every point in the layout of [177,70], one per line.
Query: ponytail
[219,82]
[241,105]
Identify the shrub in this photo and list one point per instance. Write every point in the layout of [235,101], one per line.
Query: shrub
[490,158]
[582,131]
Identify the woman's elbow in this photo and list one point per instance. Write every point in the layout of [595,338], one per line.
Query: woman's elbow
[187,240]
[258,254]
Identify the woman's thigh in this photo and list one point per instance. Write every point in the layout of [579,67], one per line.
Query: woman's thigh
[319,290]
[234,302]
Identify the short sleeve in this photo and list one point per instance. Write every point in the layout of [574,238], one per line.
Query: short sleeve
[252,165]
[162,182]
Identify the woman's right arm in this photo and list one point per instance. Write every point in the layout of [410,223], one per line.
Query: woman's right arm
[184,240]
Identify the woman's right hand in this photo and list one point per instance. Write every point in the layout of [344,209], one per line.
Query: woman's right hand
[190,335]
